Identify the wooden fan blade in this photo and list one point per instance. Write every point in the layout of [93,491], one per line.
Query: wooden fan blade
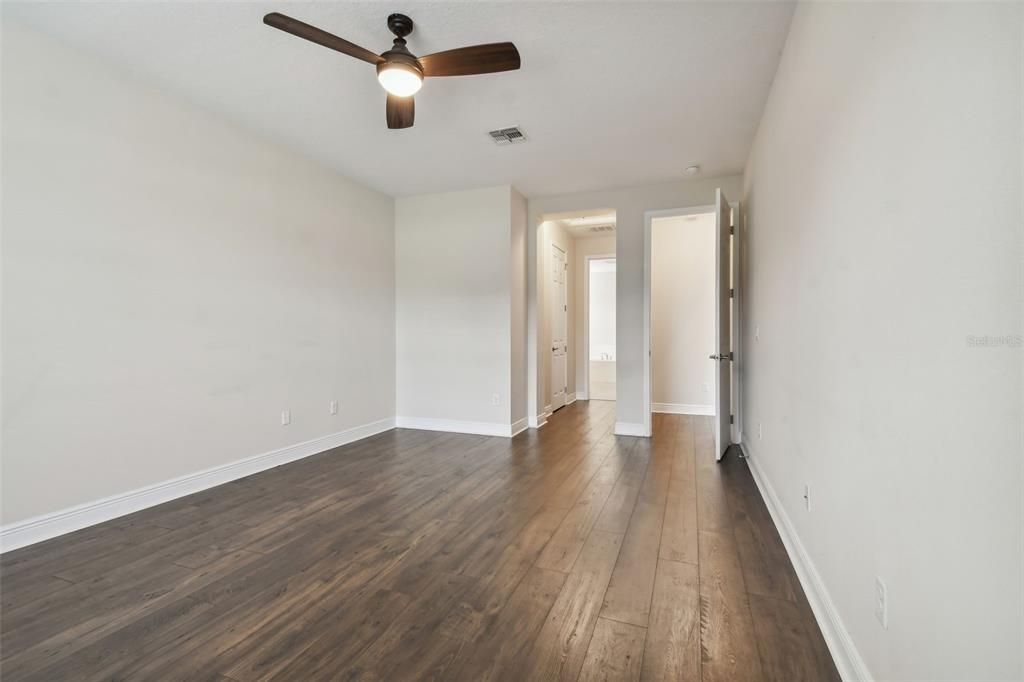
[401,111]
[320,37]
[468,61]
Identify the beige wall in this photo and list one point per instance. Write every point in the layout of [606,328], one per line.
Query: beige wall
[629,205]
[517,383]
[683,314]
[170,285]
[454,306]
[884,213]
[588,246]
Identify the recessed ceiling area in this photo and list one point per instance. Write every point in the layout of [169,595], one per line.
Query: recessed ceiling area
[596,222]
[612,94]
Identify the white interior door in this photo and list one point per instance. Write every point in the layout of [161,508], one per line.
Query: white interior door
[723,340]
[559,328]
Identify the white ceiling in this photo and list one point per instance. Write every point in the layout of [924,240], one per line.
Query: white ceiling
[609,94]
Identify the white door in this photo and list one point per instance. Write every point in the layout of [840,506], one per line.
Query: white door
[723,341]
[559,328]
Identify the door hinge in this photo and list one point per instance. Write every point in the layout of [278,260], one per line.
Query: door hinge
[732,230]
[730,419]
[732,293]
[565,308]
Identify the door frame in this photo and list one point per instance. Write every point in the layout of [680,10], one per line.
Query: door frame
[649,217]
[586,320]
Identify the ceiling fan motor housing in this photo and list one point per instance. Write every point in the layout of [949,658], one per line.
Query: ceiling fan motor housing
[400,25]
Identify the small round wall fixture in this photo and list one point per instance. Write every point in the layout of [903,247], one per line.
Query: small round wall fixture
[692,170]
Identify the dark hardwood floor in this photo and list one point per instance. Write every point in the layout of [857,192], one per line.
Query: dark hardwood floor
[563,554]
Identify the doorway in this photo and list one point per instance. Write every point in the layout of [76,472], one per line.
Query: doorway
[565,241]
[600,327]
[723,351]
[683,314]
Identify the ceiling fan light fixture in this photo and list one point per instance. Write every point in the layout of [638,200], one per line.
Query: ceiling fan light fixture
[399,71]
[399,78]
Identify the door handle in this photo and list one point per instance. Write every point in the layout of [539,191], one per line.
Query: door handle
[721,356]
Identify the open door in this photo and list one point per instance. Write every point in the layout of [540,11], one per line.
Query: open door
[723,339]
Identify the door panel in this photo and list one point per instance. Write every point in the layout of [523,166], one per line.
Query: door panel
[559,328]
[723,339]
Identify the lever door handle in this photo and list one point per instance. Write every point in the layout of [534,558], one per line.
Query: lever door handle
[721,356]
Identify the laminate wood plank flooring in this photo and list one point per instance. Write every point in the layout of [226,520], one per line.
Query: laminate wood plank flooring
[565,553]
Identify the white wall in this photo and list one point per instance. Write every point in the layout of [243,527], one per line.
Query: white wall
[170,285]
[629,205]
[884,209]
[683,313]
[454,305]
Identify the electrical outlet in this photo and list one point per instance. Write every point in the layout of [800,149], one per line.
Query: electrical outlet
[495,399]
[807,496]
[334,407]
[706,387]
[286,417]
[881,603]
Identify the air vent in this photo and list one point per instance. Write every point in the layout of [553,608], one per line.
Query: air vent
[601,228]
[511,135]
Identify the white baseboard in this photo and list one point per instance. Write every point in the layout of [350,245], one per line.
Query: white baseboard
[630,429]
[46,526]
[541,419]
[683,408]
[519,426]
[570,398]
[456,426]
[848,660]
[582,395]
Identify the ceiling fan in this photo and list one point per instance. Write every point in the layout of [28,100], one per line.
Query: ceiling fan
[401,72]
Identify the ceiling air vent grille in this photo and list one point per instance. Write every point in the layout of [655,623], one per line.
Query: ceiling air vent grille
[511,135]
[602,228]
